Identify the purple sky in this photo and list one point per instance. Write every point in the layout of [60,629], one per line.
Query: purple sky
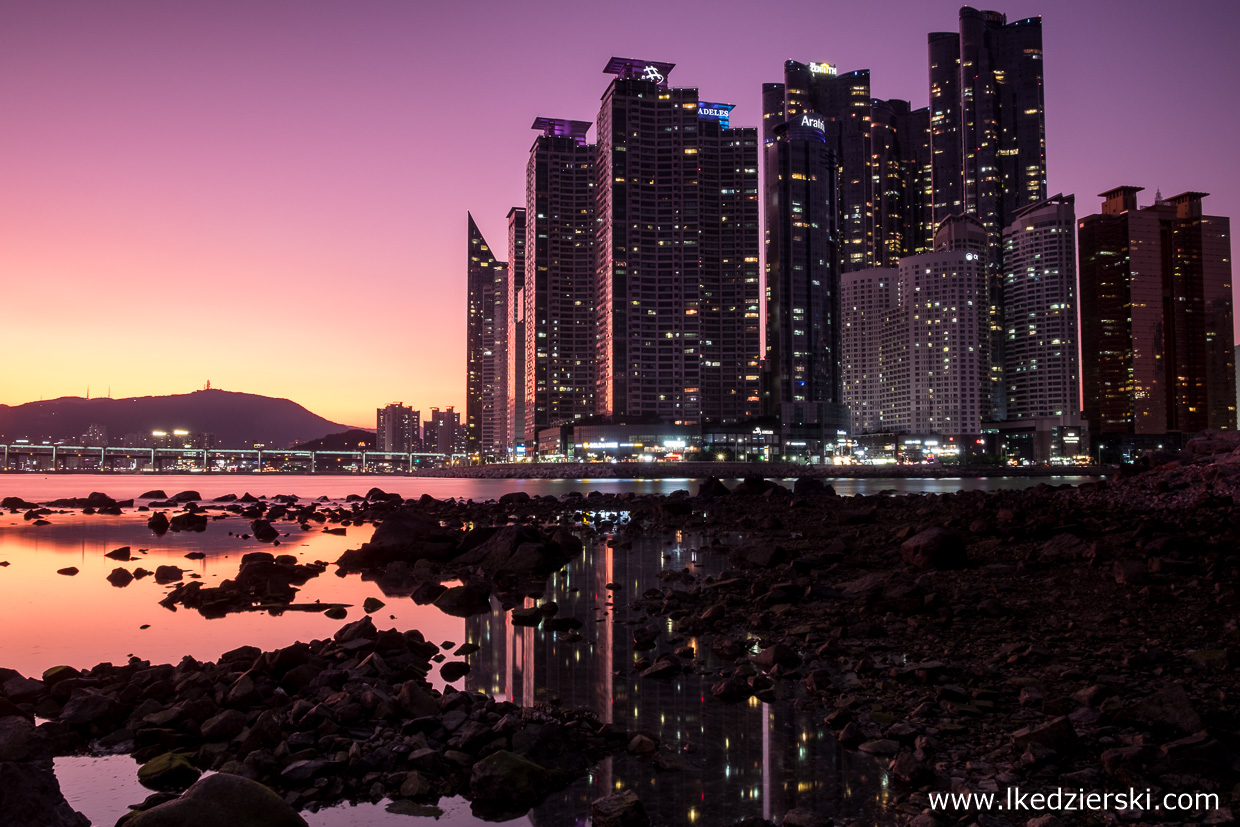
[272,195]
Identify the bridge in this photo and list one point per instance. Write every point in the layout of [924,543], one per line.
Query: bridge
[24,456]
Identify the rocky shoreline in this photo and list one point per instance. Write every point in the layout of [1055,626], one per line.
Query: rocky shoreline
[1083,637]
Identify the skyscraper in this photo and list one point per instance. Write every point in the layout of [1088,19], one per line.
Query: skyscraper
[882,152]
[1040,311]
[988,142]
[1156,316]
[918,359]
[803,329]
[398,429]
[677,251]
[558,291]
[514,370]
[486,280]
[442,432]
[867,299]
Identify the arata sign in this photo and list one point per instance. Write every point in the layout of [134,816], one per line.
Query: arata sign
[814,122]
[822,69]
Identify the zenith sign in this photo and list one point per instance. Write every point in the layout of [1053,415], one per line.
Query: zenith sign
[652,73]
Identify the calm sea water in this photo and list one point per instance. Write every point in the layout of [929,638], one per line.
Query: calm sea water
[124,486]
[746,760]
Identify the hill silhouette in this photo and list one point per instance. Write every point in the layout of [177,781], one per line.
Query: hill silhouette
[236,419]
[350,440]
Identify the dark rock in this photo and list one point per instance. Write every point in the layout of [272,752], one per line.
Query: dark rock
[158,523]
[121,554]
[221,800]
[935,548]
[506,778]
[622,809]
[454,670]
[801,817]
[86,707]
[168,574]
[224,726]
[120,577]
[17,738]
[465,601]
[1057,734]
[30,796]
[168,771]
[264,531]
[68,572]
[1168,710]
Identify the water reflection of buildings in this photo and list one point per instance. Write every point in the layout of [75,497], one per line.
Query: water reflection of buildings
[731,761]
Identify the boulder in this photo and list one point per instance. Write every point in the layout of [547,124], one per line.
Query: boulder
[120,577]
[622,809]
[30,797]
[264,531]
[711,488]
[86,707]
[17,738]
[1167,710]
[465,601]
[168,771]
[158,523]
[168,574]
[935,548]
[221,800]
[506,778]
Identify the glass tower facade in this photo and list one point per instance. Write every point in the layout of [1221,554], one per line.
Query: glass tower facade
[486,280]
[559,334]
[677,254]
[1156,310]
[803,330]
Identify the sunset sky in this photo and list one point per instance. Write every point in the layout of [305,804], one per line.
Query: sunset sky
[272,196]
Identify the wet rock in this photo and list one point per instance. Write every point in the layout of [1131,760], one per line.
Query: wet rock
[158,523]
[221,800]
[120,577]
[68,572]
[264,531]
[935,548]
[515,549]
[1168,710]
[86,707]
[506,778]
[30,796]
[121,554]
[780,654]
[802,817]
[453,671]
[1057,734]
[168,574]
[168,771]
[188,522]
[17,738]
[622,809]
[465,601]
[643,745]
[224,726]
